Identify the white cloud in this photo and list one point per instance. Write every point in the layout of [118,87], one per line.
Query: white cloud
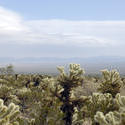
[10,21]
[14,29]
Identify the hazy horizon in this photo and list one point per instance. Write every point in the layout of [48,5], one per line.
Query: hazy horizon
[47,65]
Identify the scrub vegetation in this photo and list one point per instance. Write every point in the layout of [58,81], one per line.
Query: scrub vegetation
[70,98]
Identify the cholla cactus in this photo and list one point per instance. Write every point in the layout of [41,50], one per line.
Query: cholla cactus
[113,118]
[74,78]
[111,82]
[7,94]
[25,121]
[58,92]
[120,101]
[8,114]
[45,103]
[108,119]
[100,102]
[68,82]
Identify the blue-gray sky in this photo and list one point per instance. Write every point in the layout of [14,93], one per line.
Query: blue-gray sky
[68,9]
[62,28]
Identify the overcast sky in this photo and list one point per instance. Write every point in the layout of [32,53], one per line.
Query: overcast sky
[67,28]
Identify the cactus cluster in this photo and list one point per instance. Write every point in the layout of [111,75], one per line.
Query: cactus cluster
[113,118]
[116,113]
[35,99]
[8,115]
[100,102]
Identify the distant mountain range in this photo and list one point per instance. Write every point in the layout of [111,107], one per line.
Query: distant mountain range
[96,59]
[48,65]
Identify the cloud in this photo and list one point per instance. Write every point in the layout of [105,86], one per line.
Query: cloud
[15,30]
[10,21]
